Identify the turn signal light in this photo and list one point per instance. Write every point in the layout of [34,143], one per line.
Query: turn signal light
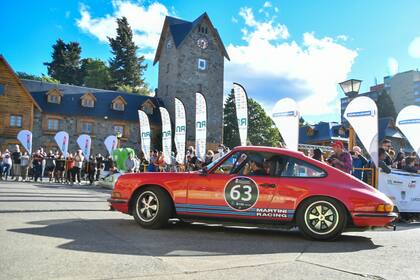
[116,195]
[384,208]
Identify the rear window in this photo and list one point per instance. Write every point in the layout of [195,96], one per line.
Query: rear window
[299,168]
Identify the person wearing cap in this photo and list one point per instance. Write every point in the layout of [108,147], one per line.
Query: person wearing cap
[256,165]
[341,159]
[359,161]
[220,152]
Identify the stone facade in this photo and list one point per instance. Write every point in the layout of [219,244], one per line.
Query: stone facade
[101,129]
[180,76]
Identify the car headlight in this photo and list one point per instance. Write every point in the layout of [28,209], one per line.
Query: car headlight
[384,208]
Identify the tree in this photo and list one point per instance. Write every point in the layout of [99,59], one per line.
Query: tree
[139,90]
[302,122]
[65,64]
[385,105]
[43,78]
[95,73]
[126,68]
[261,128]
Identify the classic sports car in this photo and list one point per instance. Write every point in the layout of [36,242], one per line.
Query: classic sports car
[256,185]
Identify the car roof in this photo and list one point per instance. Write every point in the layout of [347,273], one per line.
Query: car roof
[267,149]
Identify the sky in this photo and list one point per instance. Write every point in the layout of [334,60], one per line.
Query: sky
[298,49]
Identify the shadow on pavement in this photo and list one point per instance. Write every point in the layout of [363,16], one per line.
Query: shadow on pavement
[119,236]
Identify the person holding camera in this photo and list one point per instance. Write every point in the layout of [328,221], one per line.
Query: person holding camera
[341,159]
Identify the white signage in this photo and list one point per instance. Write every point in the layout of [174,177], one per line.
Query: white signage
[402,188]
[25,138]
[241,104]
[408,121]
[62,140]
[145,134]
[362,114]
[166,135]
[286,117]
[200,126]
[180,130]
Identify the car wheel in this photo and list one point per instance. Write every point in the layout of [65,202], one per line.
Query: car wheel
[152,208]
[321,218]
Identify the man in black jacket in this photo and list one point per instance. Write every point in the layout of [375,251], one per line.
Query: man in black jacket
[16,156]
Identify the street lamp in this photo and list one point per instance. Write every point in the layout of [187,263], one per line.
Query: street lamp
[351,90]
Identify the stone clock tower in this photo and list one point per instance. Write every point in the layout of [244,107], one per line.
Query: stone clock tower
[191,59]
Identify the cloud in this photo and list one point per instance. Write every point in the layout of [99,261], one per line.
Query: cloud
[414,48]
[392,66]
[272,67]
[146,23]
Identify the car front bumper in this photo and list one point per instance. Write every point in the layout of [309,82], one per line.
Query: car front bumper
[118,204]
[369,219]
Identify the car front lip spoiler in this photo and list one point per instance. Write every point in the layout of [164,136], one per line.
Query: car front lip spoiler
[376,215]
[118,201]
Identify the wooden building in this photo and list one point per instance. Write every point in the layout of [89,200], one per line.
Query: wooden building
[17,106]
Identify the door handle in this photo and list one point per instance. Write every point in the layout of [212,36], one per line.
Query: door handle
[266,185]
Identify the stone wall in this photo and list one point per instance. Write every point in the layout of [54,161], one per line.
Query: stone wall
[182,79]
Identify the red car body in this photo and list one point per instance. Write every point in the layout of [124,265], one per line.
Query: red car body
[201,195]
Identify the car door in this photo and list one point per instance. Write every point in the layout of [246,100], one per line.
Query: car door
[225,192]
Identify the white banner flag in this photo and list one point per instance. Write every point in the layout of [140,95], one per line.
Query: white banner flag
[62,140]
[85,142]
[145,134]
[25,138]
[180,130]
[241,103]
[408,121]
[286,117]
[166,135]
[200,126]
[111,143]
[362,114]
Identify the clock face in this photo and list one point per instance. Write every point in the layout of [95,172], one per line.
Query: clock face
[202,43]
[169,44]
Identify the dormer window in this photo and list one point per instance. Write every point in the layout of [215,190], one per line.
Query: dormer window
[88,100]
[54,96]
[148,107]
[118,104]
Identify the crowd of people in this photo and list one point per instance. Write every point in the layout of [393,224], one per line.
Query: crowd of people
[75,168]
[53,166]
[355,163]
[18,165]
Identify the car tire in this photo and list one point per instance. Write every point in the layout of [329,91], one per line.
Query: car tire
[321,218]
[152,208]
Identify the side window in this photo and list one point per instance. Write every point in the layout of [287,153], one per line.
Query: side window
[299,168]
[227,165]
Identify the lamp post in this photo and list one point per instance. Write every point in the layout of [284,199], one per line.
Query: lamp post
[351,90]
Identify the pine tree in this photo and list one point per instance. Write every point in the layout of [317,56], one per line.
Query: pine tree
[65,64]
[126,68]
[385,105]
[261,128]
[95,73]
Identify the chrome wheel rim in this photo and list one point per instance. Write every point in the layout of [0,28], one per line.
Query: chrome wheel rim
[147,206]
[321,217]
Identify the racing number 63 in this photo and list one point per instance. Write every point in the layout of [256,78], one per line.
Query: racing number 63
[235,194]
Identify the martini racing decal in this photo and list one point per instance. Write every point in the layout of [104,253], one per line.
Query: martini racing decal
[241,193]
[264,213]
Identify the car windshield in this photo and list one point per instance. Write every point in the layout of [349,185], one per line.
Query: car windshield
[212,164]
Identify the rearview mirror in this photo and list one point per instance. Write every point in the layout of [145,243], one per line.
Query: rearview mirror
[203,171]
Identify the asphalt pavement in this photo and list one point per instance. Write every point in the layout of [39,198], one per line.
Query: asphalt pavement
[50,231]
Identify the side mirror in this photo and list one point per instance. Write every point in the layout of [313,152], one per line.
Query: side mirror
[203,171]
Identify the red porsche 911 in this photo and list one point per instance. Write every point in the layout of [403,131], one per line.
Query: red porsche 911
[256,185]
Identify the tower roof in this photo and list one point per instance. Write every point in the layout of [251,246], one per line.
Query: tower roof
[180,29]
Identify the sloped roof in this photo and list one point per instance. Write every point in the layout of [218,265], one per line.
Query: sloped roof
[179,29]
[71,106]
[19,81]
[387,128]
[323,131]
